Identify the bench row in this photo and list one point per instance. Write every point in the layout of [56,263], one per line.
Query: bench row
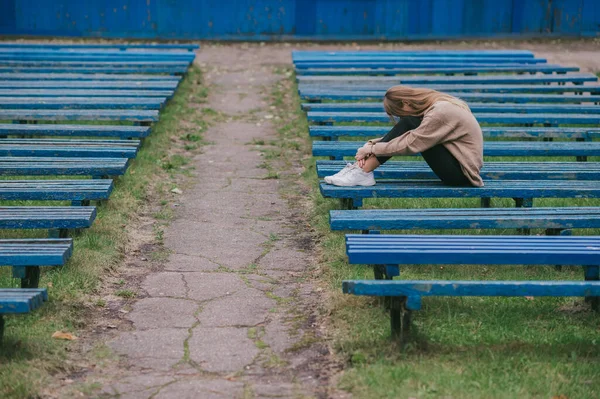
[388,251]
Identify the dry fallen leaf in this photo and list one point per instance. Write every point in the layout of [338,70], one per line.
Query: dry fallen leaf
[64,335]
[49,285]
[529,298]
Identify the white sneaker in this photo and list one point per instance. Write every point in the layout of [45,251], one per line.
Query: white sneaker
[347,168]
[354,177]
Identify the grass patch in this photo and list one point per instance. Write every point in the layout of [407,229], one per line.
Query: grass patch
[466,347]
[29,356]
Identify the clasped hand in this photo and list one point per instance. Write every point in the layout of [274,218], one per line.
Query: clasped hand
[363,154]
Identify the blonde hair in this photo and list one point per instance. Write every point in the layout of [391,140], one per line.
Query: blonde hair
[418,100]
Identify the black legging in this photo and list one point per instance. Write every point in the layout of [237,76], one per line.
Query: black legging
[439,159]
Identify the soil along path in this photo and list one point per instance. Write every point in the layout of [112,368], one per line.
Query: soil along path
[229,315]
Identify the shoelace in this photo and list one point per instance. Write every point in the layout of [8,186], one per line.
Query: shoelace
[349,166]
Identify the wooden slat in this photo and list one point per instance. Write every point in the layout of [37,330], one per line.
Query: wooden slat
[56,190]
[80,115]
[475,108]
[587,133]
[490,170]
[491,148]
[487,79]
[53,166]
[148,103]
[422,70]
[465,218]
[46,217]
[506,118]
[123,132]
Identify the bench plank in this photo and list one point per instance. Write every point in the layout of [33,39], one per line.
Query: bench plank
[421,288]
[97,46]
[298,55]
[56,190]
[475,107]
[465,218]
[141,115]
[47,217]
[32,147]
[87,92]
[341,149]
[464,80]
[417,62]
[469,97]
[19,301]
[507,118]
[431,70]
[89,84]
[148,103]
[517,189]
[490,170]
[472,250]
[93,70]
[53,166]
[124,132]
[85,76]
[586,133]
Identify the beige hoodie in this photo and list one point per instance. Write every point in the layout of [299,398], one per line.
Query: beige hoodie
[444,123]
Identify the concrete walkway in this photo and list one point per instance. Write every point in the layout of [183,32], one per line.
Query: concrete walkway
[229,316]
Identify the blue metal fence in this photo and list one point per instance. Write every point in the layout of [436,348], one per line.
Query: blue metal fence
[300,19]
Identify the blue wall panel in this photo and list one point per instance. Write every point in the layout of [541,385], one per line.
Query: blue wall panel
[300,19]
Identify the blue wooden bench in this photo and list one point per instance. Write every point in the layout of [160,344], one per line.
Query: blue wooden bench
[98,168]
[79,192]
[97,46]
[32,147]
[110,64]
[85,76]
[469,97]
[27,255]
[19,301]
[89,84]
[94,70]
[506,118]
[141,116]
[85,92]
[58,220]
[418,62]
[432,70]
[490,171]
[475,107]
[97,56]
[101,131]
[152,103]
[463,80]
[582,133]
[389,251]
[552,219]
[300,55]
[522,191]
[340,149]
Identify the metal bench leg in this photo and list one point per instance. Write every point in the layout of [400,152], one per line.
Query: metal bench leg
[523,203]
[558,232]
[486,202]
[29,275]
[582,158]
[400,319]
[592,273]
[58,233]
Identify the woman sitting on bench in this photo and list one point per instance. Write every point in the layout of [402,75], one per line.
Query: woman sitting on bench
[437,125]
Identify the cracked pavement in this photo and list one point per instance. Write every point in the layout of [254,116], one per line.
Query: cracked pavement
[228,315]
